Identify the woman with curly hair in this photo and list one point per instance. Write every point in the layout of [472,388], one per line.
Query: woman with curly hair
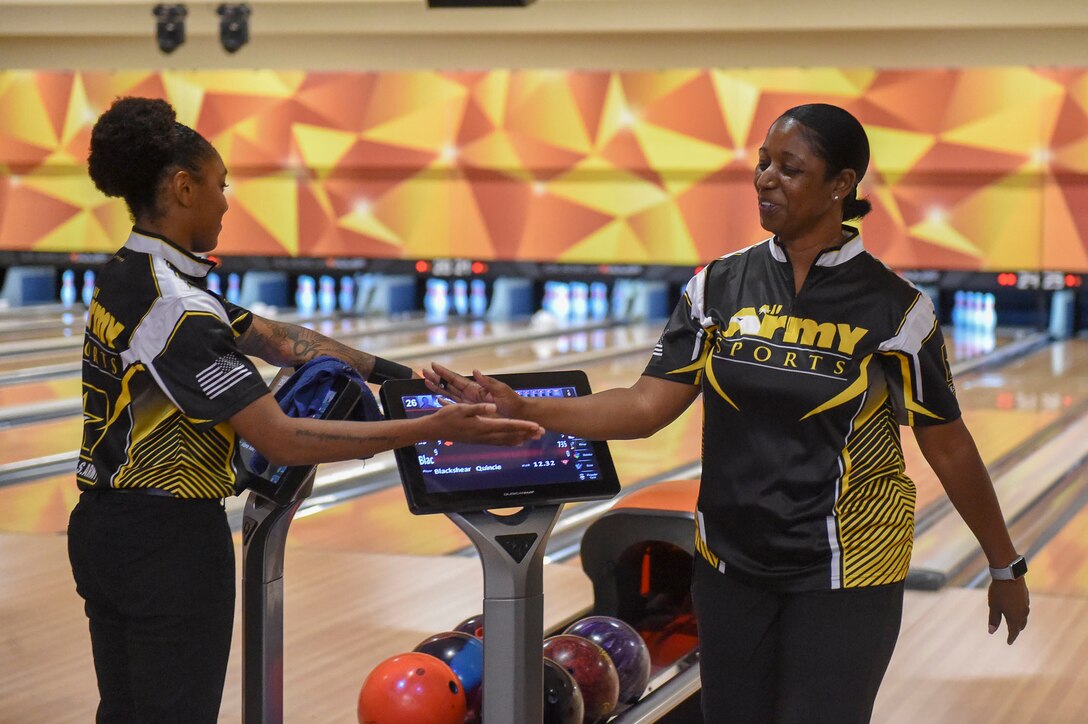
[168,392]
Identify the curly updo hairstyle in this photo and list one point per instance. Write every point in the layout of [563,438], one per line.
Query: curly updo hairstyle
[839,139]
[135,145]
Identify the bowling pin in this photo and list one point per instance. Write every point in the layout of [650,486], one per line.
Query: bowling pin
[460,296]
[478,298]
[598,300]
[548,303]
[87,293]
[436,301]
[347,294]
[305,295]
[214,283]
[958,303]
[989,309]
[561,302]
[579,301]
[68,288]
[326,294]
[234,287]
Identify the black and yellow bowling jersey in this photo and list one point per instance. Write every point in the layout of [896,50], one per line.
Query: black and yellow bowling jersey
[803,484]
[161,375]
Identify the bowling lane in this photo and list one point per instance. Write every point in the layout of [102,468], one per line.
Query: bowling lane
[28,393]
[61,436]
[66,324]
[414,347]
[1000,419]
[39,439]
[1060,566]
[62,347]
[380,521]
[1006,407]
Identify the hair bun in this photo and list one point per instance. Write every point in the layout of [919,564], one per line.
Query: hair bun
[131,144]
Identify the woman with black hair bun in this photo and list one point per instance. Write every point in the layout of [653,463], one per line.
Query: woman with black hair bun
[168,392]
[809,354]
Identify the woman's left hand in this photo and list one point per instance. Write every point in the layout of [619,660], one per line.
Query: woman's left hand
[1009,599]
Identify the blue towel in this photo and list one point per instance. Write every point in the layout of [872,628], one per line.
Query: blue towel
[308,392]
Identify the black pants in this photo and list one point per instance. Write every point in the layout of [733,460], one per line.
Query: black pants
[157,576]
[788,658]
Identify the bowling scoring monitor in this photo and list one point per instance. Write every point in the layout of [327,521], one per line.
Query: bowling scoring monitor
[441,476]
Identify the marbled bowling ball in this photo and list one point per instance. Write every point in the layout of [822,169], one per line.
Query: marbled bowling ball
[473,625]
[591,667]
[624,646]
[562,698]
[464,654]
[411,688]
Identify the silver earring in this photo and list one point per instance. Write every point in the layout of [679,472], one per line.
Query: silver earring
[835,197]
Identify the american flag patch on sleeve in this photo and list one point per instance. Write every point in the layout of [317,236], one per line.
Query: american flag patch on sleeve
[221,375]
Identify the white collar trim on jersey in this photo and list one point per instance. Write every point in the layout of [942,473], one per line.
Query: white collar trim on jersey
[829,257]
[159,246]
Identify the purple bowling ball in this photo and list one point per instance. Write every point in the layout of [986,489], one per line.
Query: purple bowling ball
[473,625]
[624,646]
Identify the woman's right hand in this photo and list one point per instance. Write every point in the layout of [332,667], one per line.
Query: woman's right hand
[478,388]
[480,423]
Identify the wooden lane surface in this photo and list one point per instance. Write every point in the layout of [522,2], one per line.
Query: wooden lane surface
[27,393]
[1061,566]
[1005,407]
[52,437]
[354,330]
[381,523]
[346,611]
[948,670]
[40,505]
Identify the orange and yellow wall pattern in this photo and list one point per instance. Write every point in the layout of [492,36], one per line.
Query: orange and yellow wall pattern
[975,169]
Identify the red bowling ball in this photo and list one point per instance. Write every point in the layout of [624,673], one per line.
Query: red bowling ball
[412,688]
[592,668]
[624,646]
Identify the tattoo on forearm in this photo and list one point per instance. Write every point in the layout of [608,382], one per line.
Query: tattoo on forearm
[330,437]
[289,344]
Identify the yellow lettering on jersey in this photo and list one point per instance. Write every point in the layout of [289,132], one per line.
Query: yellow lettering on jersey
[812,333]
[795,330]
[849,337]
[103,325]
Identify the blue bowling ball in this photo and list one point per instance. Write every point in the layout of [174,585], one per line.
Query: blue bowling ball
[464,654]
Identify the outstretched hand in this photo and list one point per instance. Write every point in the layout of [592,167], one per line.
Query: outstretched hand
[479,423]
[1009,599]
[476,389]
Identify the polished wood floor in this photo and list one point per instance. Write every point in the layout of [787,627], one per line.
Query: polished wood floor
[346,611]
[359,588]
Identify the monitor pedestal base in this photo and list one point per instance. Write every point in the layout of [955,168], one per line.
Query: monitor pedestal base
[511,549]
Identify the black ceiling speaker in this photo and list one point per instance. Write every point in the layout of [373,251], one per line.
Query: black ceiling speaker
[233,25]
[169,25]
[478,3]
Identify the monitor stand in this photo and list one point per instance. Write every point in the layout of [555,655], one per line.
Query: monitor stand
[511,549]
[264,535]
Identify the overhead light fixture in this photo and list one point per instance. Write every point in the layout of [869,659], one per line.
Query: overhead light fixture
[233,25]
[169,25]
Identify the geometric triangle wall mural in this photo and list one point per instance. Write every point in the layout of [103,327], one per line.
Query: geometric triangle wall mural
[974,169]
